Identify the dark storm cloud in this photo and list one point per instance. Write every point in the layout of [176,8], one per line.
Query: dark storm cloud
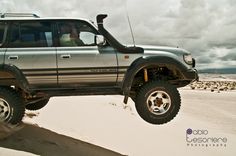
[207,28]
[204,59]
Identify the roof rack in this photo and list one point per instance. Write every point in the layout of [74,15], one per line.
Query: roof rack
[3,15]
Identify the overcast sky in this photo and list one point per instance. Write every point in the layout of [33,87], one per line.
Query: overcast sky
[207,28]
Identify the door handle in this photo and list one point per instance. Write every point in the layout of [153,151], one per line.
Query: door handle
[65,56]
[13,58]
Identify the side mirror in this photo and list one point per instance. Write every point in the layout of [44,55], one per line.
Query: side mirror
[100,40]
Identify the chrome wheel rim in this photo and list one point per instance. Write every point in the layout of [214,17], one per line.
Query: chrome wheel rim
[4,110]
[158,102]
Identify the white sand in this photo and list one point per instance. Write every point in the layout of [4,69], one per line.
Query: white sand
[9,152]
[102,120]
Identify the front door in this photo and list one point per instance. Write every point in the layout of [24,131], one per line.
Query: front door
[80,61]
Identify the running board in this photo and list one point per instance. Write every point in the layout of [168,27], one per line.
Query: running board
[80,91]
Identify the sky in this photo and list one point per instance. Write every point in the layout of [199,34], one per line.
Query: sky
[206,28]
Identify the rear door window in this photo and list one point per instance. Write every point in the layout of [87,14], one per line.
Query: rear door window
[2,31]
[31,34]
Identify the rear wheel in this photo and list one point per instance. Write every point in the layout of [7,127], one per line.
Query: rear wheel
[12,107]
[158,102]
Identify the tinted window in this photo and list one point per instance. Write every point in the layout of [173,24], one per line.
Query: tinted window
[76,33]
[2,29]
[31,34]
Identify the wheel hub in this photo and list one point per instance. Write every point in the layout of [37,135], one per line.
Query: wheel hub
[159,102]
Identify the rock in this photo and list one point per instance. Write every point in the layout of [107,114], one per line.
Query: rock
[192,87]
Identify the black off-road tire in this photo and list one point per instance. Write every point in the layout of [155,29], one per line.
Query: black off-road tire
[149,91]
[12,106]
[37,105]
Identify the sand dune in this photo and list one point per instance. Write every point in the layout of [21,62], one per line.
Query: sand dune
[105,122]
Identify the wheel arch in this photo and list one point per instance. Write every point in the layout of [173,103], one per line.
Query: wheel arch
[148,61]
[11,75]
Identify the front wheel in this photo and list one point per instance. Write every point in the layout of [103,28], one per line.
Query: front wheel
[158,102]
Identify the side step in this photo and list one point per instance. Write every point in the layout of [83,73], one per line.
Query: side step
[79,91]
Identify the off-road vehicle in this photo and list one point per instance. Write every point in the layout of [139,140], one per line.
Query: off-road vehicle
[46,57]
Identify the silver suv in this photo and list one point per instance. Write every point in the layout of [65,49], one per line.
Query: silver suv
[45,57]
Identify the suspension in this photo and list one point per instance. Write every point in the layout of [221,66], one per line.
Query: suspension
[145,75]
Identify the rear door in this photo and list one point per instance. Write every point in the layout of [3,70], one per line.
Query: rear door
[30,48]
[2,37]
[80,61]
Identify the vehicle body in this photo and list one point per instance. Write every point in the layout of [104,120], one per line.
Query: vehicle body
[38,60]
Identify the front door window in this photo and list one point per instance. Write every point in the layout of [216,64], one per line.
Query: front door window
[76,33]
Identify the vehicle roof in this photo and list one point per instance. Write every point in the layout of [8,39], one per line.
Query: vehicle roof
[43,18]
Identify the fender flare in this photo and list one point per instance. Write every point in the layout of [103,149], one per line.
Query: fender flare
[143,62]
[19,76]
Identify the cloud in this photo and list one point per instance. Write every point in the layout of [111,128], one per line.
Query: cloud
[207,28]
[217,58]
[230,56]
[193,19]
[204,60]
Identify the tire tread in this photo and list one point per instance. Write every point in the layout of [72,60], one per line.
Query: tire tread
[15,100]
[144,112]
